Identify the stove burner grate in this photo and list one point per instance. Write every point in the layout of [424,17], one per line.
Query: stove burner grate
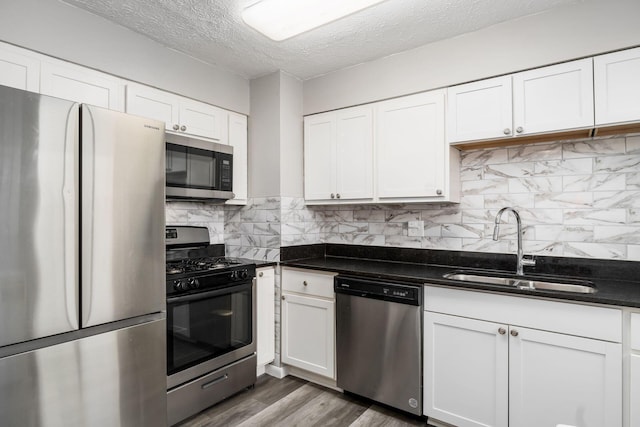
[188,265]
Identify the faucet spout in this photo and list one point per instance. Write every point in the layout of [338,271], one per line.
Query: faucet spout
[520,262]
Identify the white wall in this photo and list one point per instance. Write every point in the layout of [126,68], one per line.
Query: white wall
[57,29]
[291,136]
[264,137]
[570,32]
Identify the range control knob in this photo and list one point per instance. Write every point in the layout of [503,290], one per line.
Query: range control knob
[244,274]
[180,285]
[193,283]
[234,275]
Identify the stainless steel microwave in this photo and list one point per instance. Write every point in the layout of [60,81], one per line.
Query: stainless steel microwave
[198,169]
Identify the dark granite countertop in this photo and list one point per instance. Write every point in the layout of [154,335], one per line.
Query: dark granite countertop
[263,263]
[610,277]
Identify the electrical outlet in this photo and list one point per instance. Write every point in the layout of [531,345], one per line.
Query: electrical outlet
[415,228]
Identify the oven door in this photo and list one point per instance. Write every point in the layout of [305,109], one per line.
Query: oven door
[208,330]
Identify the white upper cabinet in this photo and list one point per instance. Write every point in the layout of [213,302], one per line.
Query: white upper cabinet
[354,153]
[480,110]
[319,156]
[412,156]
[238,140]
[548,99]
[617,87]
[75,83]
[553,98]
[18,69]
[181,115]
[338,155]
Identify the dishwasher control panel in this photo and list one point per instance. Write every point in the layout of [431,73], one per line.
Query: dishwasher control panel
[371,288]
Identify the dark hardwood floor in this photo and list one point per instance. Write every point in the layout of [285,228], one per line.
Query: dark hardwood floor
[294,402]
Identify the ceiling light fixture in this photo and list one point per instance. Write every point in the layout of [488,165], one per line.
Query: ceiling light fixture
[282,19]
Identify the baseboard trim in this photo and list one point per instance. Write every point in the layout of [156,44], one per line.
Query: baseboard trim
[276,371]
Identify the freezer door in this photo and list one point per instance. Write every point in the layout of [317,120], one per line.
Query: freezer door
[112,379]
[38,216]
[122,216]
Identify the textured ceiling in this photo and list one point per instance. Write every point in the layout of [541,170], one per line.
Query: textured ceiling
[213,31]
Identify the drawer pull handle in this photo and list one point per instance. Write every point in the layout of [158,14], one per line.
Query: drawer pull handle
[514,333]
[304,283]
[502,331]
[260,274]
[214,382]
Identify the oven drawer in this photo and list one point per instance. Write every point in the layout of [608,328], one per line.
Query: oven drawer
[199,394]
[308,282]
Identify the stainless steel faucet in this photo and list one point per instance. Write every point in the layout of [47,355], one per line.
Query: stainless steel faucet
[521,261]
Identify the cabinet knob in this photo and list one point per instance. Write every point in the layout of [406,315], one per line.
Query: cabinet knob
[519,129]
[439,192]
[183,128]
[282,297]
[333,196]
[304,283]
[514,333]
[502,331]
[260,274]
[338,196]
[507,131]
[176,127]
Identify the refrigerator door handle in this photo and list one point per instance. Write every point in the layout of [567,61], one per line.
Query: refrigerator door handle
[70,188]
[88,185]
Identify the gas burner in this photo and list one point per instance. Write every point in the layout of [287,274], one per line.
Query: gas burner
[200,264]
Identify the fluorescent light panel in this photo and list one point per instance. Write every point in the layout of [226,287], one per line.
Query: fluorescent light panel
[282,19]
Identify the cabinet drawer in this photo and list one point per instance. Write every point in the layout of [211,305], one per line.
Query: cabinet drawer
[567,318]
[635,331]
[308,282]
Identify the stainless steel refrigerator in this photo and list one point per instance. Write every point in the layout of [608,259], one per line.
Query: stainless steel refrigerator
[82,287]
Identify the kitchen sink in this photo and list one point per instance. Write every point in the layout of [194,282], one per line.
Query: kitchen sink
[581,287]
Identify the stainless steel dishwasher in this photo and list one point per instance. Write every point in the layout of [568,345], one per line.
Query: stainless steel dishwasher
[379,341]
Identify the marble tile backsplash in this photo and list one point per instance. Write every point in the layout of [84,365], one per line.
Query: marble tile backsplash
[198,214]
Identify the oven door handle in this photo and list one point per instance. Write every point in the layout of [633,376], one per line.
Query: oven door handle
[208,294]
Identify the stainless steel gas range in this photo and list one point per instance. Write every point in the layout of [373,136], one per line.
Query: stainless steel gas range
[211,323]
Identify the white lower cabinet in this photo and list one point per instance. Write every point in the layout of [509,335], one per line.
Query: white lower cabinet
[265,315]
[634,369]
[561,379]
[500,370]
[466,372]
[308,321]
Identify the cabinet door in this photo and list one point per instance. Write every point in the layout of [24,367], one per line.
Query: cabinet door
[265,291]
[308,334]
[200,119]
[562,379]
[634,417]
[319,156]
[238,140]
[354,153]
[465,371]
[617,87]
[153,103]
[81,84]
[410,146]
[480,110]
[553,98]
[18,70]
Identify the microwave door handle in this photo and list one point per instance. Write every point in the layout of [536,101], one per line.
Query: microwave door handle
[208,294]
